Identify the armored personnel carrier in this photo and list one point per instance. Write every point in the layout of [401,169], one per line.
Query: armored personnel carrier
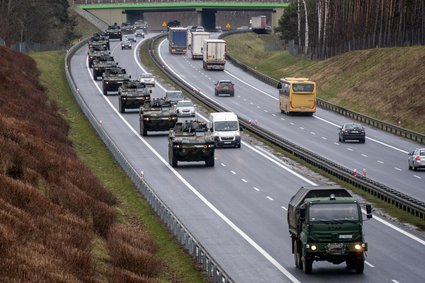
[157,115]
[113,78]
[94,54]
[191,141]
[102,63]
[99,39]
[133,94]
[114,32]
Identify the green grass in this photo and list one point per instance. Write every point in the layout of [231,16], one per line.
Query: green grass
[133,208]
[384,83]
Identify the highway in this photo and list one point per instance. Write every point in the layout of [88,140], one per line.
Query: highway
[383,156]
[237,209]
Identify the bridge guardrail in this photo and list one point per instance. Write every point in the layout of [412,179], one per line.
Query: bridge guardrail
[394,129]
[213,270]
[385,193]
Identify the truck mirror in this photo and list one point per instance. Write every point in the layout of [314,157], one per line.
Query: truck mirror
[302,214]
[279,85]
[368,211]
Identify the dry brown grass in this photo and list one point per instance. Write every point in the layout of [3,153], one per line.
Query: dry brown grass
[51,206]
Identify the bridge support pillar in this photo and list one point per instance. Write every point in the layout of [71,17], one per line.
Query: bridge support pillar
[276,15]
[208,19]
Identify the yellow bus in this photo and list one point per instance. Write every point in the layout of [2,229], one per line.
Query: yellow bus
[297,95]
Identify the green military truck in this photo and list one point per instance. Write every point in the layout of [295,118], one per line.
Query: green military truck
[157,115]
[326,224]
[113,78]
[100,64]
[133,95]
[191,141]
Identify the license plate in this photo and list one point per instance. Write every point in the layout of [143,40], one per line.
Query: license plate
[345,236]
[227,142]
[333,246]
[354,132]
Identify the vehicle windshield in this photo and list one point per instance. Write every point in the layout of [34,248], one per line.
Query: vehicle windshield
[422,153]
[353,126]
[226,126]
[303,87]
[334,212]
[225,84]
[185,104]
[146,76]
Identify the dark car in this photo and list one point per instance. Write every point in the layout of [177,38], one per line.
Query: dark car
[416,159]
[224,87]
[352,131]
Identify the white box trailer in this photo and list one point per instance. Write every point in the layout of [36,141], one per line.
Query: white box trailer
[214,54]
[197,43]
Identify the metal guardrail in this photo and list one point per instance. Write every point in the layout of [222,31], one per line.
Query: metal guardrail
[394,129]
[387,194]
[213,270]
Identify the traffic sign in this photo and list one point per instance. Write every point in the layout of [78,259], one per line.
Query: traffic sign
[164,24]
[227,25]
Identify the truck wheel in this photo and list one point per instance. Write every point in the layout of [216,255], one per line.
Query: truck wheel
[210,162]
[360,265]
[308,264]
[121,106]
[297,255]
[171,157]
[105,91]
[143,131]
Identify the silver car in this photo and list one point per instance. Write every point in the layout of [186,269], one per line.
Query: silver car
[416,159]
[173,96]
[147,79]
[185,108]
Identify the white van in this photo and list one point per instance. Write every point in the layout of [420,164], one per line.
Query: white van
[225,128]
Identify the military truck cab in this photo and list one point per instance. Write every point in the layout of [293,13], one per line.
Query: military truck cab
[326,224]
[157,115]
[133,94]
[113,78]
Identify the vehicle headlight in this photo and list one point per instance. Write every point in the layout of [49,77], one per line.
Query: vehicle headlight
[358,247]
[313,247]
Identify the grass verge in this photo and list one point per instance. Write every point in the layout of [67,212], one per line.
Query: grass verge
[180,267]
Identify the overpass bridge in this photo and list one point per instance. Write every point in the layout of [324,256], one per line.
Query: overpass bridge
[203,13]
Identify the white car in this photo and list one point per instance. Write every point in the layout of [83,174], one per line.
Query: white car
[147,79]
[185,108]
[130,37]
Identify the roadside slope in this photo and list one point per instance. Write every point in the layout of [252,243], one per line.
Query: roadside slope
[386,83]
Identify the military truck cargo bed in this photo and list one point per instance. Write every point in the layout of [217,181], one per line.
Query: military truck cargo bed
[133,95]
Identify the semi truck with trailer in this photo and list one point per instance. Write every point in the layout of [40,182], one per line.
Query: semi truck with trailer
[198,38]
[326,224]
[214,54]
[258,24]
[177,40]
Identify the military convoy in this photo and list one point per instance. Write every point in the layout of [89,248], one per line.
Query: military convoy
[157,115]
[132,94]
[191,141]
[113,78]
[326,224]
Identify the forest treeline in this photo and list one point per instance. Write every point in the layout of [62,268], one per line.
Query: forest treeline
[36,21]
[324,28]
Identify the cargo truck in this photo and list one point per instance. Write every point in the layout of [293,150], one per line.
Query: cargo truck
[214,52]
[258,24]
[177,40]
[326,224]
[197,43]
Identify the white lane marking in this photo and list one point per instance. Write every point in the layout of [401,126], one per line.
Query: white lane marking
[257,189]
[258,107]
[283,119]
[274,115]
[416,176]
[324,138]
[395,281]
[291,123]
[313,133]
[301,128]
[251,103]
[379,161]
[336,143]
[368,263]
[268,256]
[364,155]
[396,168]
[222,164]
[233,172]
[265,110]
[284,208]
[350,149]
[245,181]
[200,196]
[269,198]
